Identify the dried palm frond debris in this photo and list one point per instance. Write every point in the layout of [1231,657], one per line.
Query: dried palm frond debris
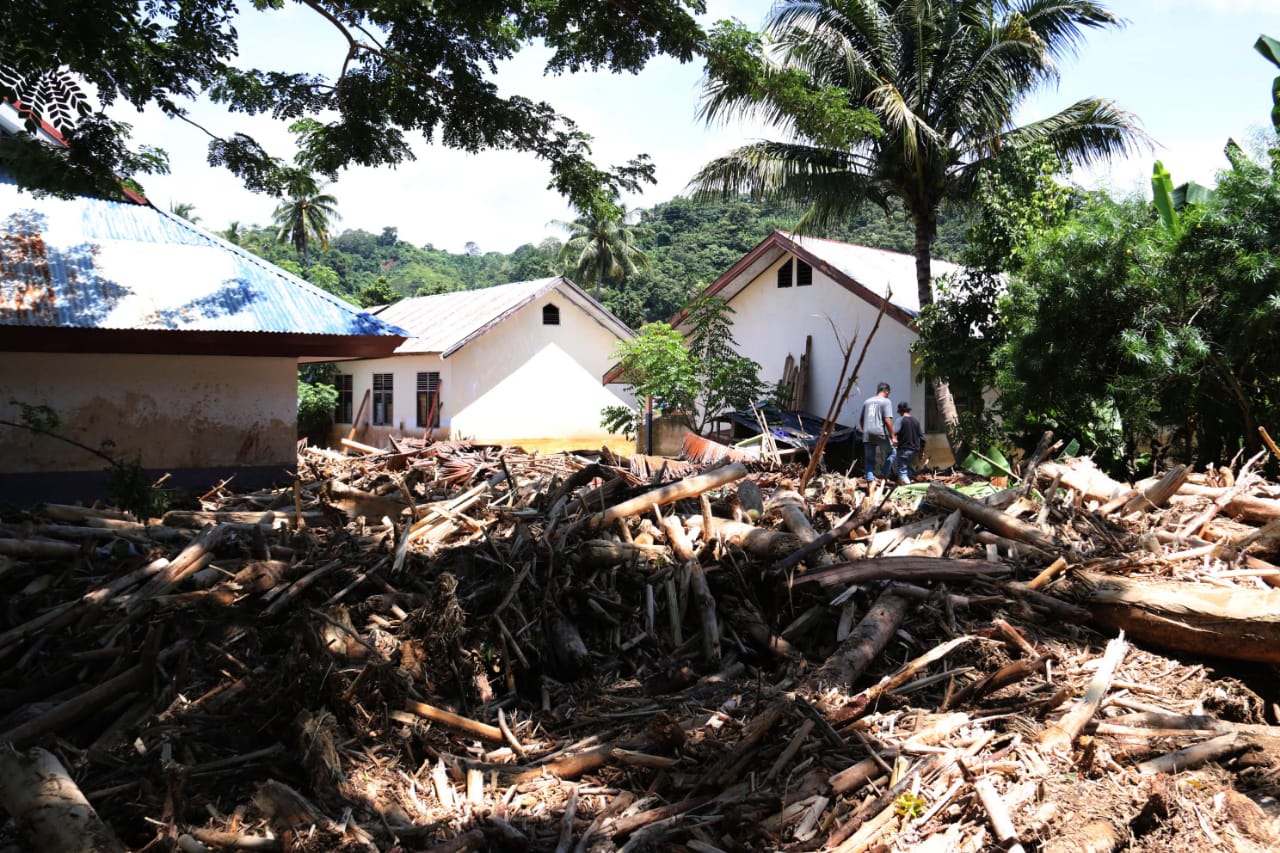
[447,646]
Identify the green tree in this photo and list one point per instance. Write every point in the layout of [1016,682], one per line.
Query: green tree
[379,293]
[186,210]
[698,373]
[601,247]
[942,80]
[1019,199]
[405,70]
[304,215]
[234,233]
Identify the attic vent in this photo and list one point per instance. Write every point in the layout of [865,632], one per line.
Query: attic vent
[804,274]
[550,315]
[784,274]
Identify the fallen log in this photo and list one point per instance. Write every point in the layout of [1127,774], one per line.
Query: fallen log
[1157,494]
[1194,756]
[756,541]
[992,519]
[858,650]
[38,549]
[48,807]
[1242,624]
[454,721]
[861,517]
[1083,476]
[790,506]
[603,554]
[906,569]
[1240,507]
[690,487]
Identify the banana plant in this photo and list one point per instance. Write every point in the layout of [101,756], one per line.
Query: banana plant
[1270,48]
[1162,197]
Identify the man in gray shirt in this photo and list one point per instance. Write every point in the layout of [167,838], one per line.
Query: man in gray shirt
[876,423]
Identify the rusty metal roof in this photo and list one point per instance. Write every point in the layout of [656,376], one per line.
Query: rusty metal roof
[93,264]
[445,322]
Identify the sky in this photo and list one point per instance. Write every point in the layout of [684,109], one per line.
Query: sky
[1185,68]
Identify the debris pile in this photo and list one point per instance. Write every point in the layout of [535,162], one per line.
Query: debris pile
[454,647]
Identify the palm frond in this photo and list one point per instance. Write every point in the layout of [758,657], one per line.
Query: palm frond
[778,171]
[1086,132]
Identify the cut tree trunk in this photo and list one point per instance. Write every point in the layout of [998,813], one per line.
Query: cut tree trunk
[1241,624]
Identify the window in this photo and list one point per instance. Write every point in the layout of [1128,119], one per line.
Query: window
[550,315]
[382,408]
[429,399]
[784,274]
[346,396]
[804,274]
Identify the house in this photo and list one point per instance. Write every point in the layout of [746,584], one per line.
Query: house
[514,364]
[791,292]
[154,340]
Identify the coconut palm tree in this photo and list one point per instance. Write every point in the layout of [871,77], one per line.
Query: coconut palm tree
[186,210]
[304,215]
[600,245]
[943,79]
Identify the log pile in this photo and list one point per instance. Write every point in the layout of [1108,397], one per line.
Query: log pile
[453,647]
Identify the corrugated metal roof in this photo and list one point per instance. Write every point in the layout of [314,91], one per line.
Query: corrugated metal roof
[874,269]
[94,264]
[445,321]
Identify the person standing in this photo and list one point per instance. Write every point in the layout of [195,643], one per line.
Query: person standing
[876,423]
[910,444]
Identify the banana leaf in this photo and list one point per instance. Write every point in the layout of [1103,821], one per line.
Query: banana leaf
[990,464]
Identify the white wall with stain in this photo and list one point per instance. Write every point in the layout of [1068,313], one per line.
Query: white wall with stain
[171,411]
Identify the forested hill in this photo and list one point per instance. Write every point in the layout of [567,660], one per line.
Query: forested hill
[688,246]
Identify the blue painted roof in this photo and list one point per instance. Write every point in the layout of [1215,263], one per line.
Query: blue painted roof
[94,264]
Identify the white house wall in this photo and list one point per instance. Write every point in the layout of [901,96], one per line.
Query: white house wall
[521,382]
[404,370]
[171,412]
[771,322]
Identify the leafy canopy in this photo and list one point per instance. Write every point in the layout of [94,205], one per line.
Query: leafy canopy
[408,69]
[699,373]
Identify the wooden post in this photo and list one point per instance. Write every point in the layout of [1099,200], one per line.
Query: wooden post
[355,422]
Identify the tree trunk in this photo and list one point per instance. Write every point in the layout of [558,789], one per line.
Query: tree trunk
[947,413]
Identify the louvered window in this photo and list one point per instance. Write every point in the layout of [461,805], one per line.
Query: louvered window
[383,411]
[429,399]
[784,275]
[550,315]
[804,274]
[346,396]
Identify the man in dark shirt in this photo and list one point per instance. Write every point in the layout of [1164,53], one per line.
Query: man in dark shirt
[910,443]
